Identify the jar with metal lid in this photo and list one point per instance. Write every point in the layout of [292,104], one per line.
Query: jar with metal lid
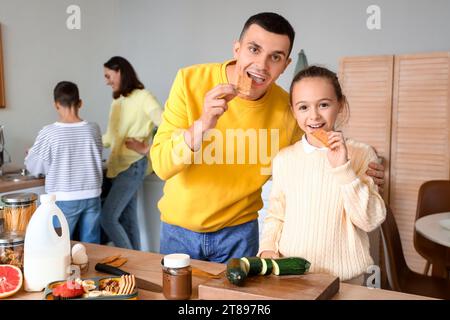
[11,249]
[177,276]
[1,219]
[17,210]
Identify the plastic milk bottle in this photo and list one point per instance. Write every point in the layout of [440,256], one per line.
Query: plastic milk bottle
[46,254]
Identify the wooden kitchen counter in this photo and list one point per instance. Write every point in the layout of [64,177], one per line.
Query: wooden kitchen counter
[144,265]
[147,265]
[11,186]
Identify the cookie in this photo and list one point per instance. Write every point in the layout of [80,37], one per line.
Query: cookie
[322,136]
[244,84]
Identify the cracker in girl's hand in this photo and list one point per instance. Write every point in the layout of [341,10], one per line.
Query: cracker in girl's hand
[322,136]
[244,83]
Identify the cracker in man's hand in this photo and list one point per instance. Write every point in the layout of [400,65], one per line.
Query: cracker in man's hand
[322,136]
[244,84]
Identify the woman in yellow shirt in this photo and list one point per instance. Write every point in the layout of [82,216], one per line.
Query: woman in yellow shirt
[134,114]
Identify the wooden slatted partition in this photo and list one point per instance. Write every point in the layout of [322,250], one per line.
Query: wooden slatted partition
[367,83]
[420,137]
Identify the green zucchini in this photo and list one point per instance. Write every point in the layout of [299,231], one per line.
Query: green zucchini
[236,272]
[292,265]
[253,265]
[267,267]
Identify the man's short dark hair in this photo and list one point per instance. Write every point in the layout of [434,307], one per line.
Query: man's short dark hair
[66,94]
[271,22]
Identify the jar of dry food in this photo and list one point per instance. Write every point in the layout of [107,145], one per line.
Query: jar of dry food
[11,249]
[17,211]
[1,219]
[177,276]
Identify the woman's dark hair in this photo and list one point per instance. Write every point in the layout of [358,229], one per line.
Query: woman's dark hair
[66,94]
[271,22]
[128,77]
[321,72]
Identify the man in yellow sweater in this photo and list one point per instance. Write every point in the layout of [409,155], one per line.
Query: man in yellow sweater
[215,144]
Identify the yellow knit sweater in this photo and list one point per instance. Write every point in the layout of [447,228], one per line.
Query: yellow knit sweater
[322,213]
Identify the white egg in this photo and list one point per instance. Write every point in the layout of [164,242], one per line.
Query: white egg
[78,248]
[79,257]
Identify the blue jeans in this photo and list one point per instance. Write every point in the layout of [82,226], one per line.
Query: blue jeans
[86,213]
[119,213]
[220,246]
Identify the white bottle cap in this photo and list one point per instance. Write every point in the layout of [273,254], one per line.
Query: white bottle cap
[45,198]
[177,260]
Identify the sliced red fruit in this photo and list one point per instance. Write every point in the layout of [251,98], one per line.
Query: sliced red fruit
[10,280]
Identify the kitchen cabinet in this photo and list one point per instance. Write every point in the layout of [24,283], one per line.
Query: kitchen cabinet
[265,195]
[400,106]
[148,213]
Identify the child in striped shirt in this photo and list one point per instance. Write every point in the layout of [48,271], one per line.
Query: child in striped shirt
[322,203]
[69,154]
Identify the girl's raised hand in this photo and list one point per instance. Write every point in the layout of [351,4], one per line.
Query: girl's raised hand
[337,153]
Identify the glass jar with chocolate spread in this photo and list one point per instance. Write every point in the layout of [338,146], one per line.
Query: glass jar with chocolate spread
[177,276]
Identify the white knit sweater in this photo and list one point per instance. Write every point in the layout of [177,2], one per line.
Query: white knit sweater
[321,213]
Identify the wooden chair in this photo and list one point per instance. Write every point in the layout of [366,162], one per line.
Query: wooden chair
[434,197]
[400,277]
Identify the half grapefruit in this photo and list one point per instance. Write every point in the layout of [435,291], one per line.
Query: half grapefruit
[10,280]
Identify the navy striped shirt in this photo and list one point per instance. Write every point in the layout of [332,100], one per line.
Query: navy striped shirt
[70,156]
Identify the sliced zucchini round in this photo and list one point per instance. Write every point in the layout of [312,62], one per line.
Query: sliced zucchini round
[253,265]
[267,267]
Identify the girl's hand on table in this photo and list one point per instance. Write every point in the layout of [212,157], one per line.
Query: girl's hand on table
[269,254]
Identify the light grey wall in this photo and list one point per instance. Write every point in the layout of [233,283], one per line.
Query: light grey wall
[159,37]
[162,36]
[39,51]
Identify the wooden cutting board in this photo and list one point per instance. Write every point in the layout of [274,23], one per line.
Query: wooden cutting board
[311,286]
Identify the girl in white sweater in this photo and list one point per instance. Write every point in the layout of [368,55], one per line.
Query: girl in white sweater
[322,203]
